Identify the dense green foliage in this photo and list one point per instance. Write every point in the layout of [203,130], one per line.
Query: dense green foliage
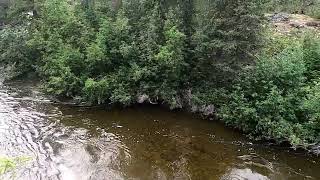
[109,54]
[278,97]
[182,53]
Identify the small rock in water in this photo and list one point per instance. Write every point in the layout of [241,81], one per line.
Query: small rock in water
[209,110]
[118,126]
[316,149]
[143,98]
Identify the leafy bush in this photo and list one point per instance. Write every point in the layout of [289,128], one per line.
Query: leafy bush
[312,55]
[271,100]
[311,105]
[64,70]
[14,50]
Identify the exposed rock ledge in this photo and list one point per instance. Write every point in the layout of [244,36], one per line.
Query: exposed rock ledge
[184,102]
[286,23]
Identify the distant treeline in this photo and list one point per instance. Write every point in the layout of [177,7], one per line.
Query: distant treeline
[308,7]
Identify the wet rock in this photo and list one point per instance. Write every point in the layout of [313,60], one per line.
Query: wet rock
[188,96]
[316,149]
[194,108]
[73,102]
[143,98]
[208,110]
[185,101]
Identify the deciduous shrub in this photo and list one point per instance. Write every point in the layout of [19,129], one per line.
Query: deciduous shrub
[275,99]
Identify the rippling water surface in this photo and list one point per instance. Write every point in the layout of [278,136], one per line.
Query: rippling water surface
[141,143]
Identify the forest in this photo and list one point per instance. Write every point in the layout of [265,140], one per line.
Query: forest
[219,58]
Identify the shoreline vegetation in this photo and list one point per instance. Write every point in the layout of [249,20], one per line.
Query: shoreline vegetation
[224,59]
[9,165]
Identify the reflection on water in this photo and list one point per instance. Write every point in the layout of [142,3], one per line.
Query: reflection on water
[139,143]
[247,174]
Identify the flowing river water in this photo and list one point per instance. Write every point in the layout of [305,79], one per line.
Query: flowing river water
[139,143]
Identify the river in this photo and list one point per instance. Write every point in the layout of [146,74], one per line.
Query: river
[138,143]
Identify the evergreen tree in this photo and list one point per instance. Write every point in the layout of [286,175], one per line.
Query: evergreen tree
[171,62]
[240,26]
[226,37]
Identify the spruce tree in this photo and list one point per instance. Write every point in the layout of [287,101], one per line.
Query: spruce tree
[227,34]
[239,27]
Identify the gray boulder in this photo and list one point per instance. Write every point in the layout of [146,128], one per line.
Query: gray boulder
[278,17]
[315,149]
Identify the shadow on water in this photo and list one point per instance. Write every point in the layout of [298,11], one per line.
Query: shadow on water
[142,142]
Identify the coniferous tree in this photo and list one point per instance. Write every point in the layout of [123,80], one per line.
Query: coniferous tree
[171,61]
[227,35]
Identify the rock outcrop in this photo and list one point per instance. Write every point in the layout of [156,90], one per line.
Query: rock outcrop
[287,23]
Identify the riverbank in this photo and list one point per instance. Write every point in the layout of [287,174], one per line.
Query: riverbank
[217,58]
[201,111]
[144,142]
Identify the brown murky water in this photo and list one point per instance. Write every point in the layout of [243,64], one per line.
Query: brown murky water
[140,143]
